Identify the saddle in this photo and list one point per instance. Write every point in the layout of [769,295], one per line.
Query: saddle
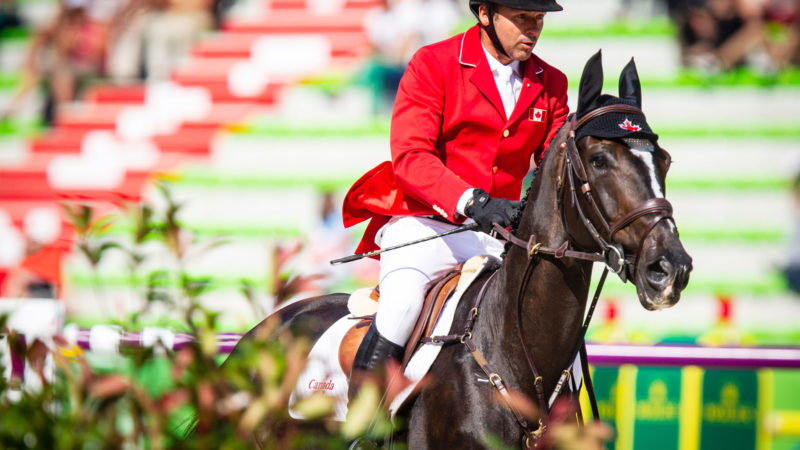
[364,304]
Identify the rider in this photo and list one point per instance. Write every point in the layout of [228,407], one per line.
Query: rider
[471,113]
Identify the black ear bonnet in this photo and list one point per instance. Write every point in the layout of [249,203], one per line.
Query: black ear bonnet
[612,125]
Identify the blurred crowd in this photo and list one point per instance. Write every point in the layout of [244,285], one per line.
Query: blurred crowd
[132,40]
[718,35]
[395,30]
[119,40]
[791,271]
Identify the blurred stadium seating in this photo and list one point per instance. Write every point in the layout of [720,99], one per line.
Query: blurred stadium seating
[264,117]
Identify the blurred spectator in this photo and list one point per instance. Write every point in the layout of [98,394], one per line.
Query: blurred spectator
[9,18]
[172,33]
[38,274]
[220,10]
[126,44]
[391,35]
[328,241]
[719,34]
[62,57]
[792,270]
[149,38]
[783,18]
[395,30]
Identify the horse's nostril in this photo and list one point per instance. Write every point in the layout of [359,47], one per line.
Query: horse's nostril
[682,277]
[659,271]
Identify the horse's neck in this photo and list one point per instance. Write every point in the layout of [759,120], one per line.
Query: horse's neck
[555,298]
[541,220]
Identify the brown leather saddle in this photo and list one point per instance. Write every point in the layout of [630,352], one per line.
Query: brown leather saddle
[431,308]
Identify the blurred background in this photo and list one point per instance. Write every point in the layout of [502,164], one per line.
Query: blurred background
[232,128]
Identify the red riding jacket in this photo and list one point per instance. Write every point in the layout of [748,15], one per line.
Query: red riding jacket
[450,133]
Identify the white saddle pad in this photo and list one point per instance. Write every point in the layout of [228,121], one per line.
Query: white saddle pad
[323,373]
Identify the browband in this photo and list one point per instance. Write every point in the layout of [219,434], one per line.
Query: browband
[619,108]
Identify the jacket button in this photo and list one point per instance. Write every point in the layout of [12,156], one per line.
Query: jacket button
[494,169]
[505,133]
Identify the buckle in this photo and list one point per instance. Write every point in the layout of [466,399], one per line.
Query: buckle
[615,260]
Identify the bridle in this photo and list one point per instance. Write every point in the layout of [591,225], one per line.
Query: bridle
[573,177]
[614,255]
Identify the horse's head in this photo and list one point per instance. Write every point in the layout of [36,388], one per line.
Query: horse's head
[613,196]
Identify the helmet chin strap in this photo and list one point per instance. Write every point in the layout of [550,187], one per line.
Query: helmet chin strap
[491,32]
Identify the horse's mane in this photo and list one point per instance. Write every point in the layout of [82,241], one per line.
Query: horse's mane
[558,138]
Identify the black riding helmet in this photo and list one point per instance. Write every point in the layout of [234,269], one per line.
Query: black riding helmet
[525,5]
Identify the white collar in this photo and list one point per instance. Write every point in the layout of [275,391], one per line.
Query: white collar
[496,65]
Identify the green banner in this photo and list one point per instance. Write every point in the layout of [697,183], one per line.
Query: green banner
[729,412]
[658,396]
[604,381]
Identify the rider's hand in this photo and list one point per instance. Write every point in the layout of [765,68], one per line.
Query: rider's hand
[484,210]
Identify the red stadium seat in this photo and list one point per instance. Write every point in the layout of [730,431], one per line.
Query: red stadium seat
[31,182]
[287,21]
[239,45]
[109,93]
[59,140]
[303,4]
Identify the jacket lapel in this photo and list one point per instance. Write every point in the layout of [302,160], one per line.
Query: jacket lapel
[531,87]
[472,55]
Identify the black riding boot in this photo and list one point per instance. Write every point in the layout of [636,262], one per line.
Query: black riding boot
[373,352]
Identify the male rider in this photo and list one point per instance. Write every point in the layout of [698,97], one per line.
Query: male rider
[470,113]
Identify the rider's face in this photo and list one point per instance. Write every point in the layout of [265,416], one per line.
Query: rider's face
[516,29]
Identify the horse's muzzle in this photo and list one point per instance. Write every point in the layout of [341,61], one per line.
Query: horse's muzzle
[663,278]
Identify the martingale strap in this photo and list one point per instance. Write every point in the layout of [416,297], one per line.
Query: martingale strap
[531,436]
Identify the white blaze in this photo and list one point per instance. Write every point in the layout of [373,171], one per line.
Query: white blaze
[647,156]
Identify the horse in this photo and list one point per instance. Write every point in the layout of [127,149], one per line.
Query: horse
[594,199]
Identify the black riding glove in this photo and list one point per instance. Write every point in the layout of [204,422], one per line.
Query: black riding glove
[484,210]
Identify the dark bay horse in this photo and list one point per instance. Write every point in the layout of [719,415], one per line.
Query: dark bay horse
[594,198]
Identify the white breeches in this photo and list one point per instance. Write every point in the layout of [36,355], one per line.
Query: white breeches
[406,273]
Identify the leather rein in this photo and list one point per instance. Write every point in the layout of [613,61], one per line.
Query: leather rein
[573,175]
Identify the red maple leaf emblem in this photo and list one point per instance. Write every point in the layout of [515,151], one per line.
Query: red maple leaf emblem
[627,125]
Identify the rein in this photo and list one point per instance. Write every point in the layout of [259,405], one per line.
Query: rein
[612,254]
[573,174]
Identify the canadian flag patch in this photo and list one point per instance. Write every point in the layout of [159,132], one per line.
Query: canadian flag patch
[537,114]
[628,125]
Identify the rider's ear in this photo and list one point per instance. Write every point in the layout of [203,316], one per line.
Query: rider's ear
[591,83]
[629,86]
[483,15]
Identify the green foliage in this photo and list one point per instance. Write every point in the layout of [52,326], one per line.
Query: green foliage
[154,397]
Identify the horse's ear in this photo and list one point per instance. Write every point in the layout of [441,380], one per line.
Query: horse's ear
[591,83]
[629,86]
[663,159]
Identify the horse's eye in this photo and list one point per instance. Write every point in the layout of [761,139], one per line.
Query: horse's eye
[598,161]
